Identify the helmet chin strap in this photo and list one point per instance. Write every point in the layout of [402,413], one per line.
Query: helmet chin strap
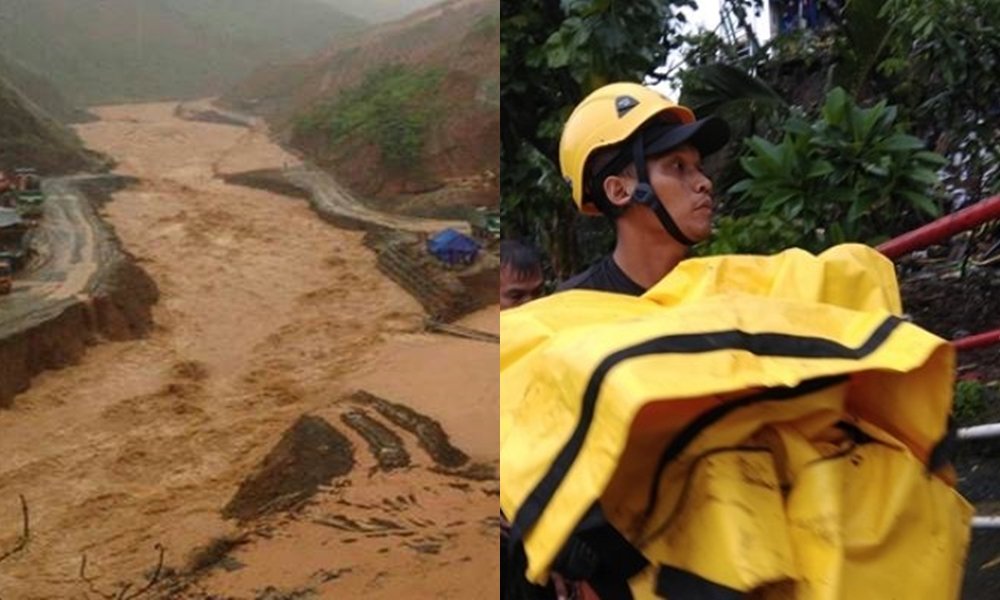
[644,195]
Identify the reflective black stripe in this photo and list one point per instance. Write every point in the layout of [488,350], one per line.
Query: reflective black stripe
[759,344]
[676,584]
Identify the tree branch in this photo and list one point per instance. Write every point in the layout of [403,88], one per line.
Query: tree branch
[22,542]
[123,591]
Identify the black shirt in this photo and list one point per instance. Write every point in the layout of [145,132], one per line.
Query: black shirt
[604,276]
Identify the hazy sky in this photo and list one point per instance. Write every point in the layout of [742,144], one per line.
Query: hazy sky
[381,10]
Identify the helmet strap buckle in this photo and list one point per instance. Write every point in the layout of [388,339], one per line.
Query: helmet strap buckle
[645,195]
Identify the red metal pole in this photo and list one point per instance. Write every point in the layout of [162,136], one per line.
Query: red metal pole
[943,228]
[981,340]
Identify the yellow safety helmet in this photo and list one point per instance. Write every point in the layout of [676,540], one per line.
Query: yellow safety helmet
[611,115]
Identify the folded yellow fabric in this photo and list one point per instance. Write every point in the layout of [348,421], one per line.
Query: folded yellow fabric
[765,423]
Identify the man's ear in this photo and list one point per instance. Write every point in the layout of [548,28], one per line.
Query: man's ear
[618,189]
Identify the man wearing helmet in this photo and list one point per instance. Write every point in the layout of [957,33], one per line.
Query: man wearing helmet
[635,156]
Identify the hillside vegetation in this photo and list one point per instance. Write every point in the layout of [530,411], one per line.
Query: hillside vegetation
[407,107]
[102,51]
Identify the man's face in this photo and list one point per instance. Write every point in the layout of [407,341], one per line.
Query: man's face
[682,186]
[518,288]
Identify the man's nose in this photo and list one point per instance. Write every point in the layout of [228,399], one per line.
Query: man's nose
[703,185]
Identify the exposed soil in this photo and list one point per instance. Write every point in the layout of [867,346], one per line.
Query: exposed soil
[266,313]
[458,199]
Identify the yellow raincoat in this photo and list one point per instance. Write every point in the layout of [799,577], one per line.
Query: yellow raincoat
[751,425]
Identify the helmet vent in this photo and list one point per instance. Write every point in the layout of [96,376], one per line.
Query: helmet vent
[623,104]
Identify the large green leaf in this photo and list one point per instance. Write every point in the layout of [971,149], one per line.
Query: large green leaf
[836,110]
[921,202]
[901,141]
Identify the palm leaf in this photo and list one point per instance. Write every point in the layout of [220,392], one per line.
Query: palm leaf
[721,88]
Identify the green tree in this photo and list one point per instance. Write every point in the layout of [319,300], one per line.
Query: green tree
[943,65]
[935,62]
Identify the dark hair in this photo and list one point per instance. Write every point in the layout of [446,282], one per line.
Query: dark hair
[521,259]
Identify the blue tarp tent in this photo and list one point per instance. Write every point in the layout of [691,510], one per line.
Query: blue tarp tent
[452,247]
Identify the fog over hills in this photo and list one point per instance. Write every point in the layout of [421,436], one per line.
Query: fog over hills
[379,10]
[101,51]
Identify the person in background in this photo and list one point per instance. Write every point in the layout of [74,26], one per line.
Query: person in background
[521,276]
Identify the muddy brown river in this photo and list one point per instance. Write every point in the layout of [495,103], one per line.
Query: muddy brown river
[266,313]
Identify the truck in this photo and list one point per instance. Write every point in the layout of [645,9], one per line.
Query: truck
[8,191]
[15,238]
[30,198]
[6,277]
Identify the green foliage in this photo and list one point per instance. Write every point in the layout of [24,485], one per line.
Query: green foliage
[851,175]
[970,401]
[711,88]
[863,38]
[943,65]
[929,71]
[392,108]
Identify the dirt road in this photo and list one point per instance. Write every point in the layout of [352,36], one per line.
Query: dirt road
[335,200]
[266,313]
[68,265]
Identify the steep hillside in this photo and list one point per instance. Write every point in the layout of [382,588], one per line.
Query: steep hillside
[408,107]
[31,138]
[101,51]
[41,91]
